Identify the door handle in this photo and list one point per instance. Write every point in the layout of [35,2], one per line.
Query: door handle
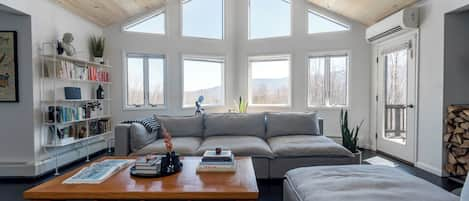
[411,106]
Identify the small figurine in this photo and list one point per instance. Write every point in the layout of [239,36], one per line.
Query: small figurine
[67,44]
[198,106]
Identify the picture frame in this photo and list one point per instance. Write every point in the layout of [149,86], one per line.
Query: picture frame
[8,67]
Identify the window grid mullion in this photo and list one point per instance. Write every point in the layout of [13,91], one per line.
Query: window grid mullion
[146,82]
[327,73]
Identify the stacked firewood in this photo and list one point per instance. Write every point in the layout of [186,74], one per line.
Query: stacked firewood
[457,140]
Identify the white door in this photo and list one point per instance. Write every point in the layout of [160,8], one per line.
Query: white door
[397,97]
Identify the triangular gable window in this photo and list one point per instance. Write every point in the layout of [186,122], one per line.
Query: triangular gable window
[318,23]
[154,24]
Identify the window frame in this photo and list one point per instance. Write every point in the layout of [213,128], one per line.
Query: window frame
[141,19]
[276,57]
[146,105]
[181,23]
[290,34]
[205,58]
[320,14]
[329,55]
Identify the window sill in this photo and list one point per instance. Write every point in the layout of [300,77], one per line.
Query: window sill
[144,108]
[328,107]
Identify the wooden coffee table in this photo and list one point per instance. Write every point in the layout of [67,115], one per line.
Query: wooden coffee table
[186,185]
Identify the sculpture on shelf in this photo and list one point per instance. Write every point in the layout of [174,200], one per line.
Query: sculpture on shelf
[67,44]
[170,163]
[198,106]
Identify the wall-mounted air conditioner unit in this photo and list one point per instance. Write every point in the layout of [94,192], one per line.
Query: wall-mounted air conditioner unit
[401,22]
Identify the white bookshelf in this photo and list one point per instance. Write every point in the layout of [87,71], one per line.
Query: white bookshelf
[68,122]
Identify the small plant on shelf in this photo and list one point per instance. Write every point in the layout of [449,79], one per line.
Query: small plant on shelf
[97,48]
[349,137]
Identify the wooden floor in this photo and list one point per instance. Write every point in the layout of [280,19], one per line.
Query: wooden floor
[270,190]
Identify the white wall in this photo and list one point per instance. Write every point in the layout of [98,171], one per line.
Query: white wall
[430,132]
[48,23]
[236,49]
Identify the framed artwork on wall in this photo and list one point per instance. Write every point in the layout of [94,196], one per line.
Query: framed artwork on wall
[8,67]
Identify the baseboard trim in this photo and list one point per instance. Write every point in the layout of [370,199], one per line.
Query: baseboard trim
[429,168]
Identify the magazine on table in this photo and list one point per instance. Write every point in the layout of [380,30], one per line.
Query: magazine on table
[98,172]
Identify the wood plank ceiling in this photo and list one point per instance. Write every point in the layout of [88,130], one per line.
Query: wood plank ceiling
[367,12]
[108,12]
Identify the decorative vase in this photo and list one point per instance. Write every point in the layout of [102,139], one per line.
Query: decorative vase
[358,156]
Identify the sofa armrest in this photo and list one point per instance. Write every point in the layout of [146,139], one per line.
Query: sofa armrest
[122,139]
[321,126]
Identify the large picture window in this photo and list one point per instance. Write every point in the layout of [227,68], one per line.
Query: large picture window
[269,18]
[203,76]
[269,81]
[328,80]
[318,23]
[203,18]
[145,81]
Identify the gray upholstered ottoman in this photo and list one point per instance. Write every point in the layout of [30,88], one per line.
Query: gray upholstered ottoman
[359,183]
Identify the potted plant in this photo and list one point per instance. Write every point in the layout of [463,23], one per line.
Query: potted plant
[350,137]
[97,48]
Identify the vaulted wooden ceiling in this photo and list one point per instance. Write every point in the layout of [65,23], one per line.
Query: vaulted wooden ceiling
[367,12]
[107,12]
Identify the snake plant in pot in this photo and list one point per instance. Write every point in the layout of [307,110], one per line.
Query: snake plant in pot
[96,44]
[349,137]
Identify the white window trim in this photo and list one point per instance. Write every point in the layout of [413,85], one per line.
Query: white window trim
[146,105]
[207,58]
[181,23]
[143,18]
[278,57]
[329,54]
[320,14]
[270,37]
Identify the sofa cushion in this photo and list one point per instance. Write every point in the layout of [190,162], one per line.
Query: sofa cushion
[360,183]
[182,126]
[185,146]
[139,136]
[306,145]
[292,123]
[235,124]
[239,145]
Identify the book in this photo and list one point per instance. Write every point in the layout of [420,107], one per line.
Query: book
[98,172]
[212,156]
[217,163]
[216,168]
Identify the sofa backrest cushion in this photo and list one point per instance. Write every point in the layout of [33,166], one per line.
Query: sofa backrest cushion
[182,126]
[139,136]
[235,124]
[292,123]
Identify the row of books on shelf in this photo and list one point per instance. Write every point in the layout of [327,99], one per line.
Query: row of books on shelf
[65,134]
[67,70]
[62,114]
[217,161]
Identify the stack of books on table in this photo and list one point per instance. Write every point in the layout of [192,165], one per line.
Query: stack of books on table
[213,162]
[148,166]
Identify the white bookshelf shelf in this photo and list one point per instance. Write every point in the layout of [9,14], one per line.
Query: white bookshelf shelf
[74,101]
[78,121]
[78,81]
[77,60]
[77,140]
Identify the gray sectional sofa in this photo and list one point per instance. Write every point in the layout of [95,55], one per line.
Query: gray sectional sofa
[277,142]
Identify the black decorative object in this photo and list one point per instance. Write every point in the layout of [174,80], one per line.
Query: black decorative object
[100,92]
[60,48]
[170,164]
[72,93]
